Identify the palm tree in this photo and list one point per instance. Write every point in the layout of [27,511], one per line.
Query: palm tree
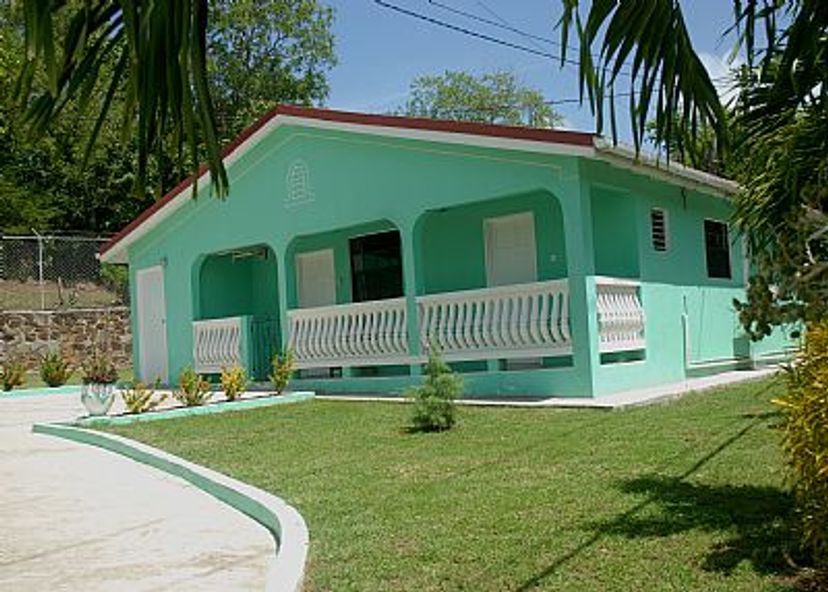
[151,54]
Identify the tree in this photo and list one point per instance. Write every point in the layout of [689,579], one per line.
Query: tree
[780,155]
[152,53]
[495,97]
[259,54]
[264,53]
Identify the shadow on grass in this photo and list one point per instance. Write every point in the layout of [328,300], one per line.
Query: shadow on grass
[761,519]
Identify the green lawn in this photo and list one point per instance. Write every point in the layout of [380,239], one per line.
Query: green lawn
[686,495]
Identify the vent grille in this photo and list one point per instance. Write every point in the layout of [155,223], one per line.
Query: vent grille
[658,225]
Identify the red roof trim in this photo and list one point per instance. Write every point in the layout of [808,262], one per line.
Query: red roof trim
[418,123]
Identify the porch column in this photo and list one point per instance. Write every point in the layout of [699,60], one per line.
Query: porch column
[284,268]
[580,252]
[411,264]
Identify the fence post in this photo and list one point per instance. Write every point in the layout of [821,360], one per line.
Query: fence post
[40,269]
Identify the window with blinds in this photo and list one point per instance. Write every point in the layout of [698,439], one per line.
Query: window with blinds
[658,229]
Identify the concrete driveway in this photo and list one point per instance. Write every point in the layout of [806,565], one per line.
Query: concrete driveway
[73,517]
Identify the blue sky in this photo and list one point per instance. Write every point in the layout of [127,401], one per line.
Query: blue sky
[380,51]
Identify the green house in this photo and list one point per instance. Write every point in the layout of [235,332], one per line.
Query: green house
[540,262]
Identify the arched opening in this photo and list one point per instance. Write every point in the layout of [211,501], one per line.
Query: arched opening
[510,240]
[242,282]
[492,280]
[345,301]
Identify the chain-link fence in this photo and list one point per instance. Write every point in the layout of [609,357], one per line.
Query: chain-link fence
[58,272]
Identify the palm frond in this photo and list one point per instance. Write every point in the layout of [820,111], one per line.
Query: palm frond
[645,43]
[151,51]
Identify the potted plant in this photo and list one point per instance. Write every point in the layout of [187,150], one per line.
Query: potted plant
[97,391]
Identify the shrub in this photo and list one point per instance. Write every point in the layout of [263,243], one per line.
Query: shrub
[12,373]
[233,382]
[434,408]
[283,366]
[138,397]
[54,369]
[193,390]
[99,369]
[805,439]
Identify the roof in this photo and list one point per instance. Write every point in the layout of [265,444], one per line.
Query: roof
[502,136]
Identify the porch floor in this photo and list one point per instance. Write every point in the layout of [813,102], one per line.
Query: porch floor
[622,400]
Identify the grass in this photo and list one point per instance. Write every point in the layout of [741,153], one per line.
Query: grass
[684,496]
[16,295]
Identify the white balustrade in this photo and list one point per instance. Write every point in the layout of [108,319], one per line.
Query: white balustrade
[620,315]
[218,343]
[521,320]
[359,334]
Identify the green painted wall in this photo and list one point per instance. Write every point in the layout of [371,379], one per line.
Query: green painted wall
[230,286]
[338,240]
[350,181]
[460,231]
[615,226]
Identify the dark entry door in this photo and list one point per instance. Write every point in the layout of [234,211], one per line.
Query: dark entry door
[376,266]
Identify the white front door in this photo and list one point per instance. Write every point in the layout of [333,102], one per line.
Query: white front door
[511,255]
[152,325]
[315,278]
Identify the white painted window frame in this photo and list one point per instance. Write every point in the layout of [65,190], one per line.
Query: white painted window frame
[487,244]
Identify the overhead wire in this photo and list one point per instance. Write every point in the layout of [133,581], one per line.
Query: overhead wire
[505,25]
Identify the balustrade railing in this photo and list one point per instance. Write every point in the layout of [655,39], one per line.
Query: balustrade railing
[620,315]
[360,334]
[219,343]
[517,321]
[522,320]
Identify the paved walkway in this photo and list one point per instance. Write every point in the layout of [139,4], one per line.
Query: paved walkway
[73,517]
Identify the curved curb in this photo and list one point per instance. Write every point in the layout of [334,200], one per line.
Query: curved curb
[208,409]
[286,571]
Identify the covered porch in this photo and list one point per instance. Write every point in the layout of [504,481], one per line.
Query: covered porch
[488,283]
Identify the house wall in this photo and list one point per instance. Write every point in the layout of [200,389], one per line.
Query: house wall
[309,183]
[691,324]
[324,186]
[338,241]
[616,228]
[461,232]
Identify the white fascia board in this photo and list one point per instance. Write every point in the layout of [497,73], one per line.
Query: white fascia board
[626,157]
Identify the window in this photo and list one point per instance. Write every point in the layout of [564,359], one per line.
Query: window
[717,249]
[658,229]
[376,266]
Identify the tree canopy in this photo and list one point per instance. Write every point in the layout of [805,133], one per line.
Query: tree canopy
[495,97]
[264,53]
[258,54]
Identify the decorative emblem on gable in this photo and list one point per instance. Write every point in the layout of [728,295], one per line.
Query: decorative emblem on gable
[299,190]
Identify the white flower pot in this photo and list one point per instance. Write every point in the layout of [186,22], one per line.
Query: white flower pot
[97,398]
